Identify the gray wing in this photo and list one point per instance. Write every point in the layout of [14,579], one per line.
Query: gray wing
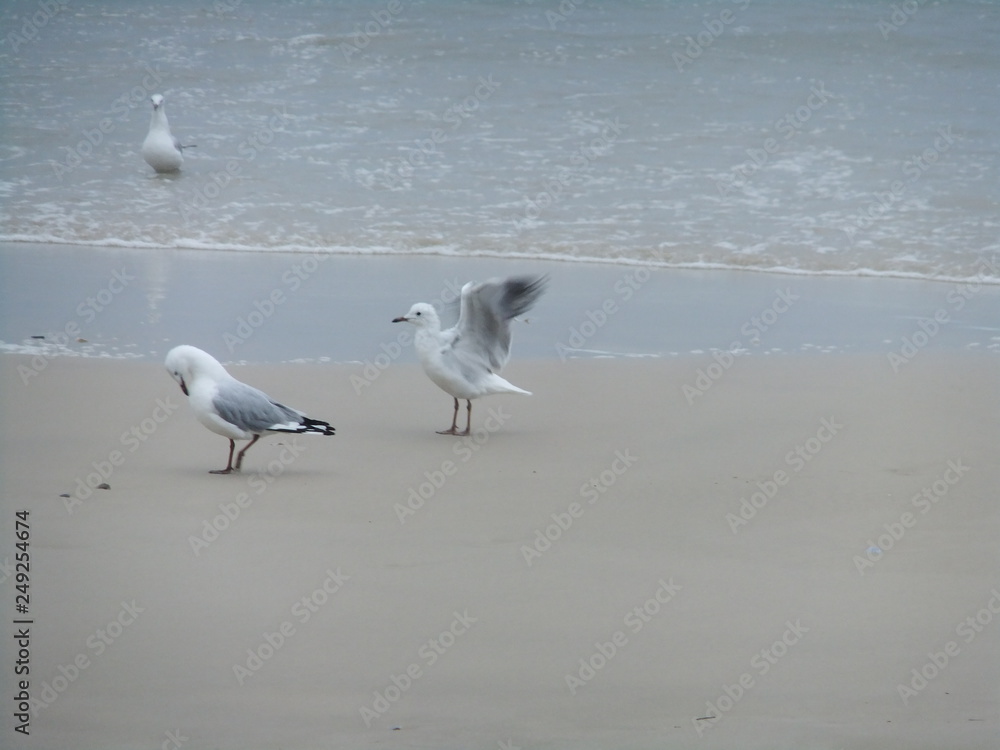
[251,409]
[483,329]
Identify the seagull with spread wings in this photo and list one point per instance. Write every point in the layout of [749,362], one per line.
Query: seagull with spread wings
[465,361]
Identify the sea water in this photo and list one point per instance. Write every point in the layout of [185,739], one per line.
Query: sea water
[805,136]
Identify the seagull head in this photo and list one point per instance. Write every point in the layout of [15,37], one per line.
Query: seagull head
[157,101]
[421,315]
[185,363]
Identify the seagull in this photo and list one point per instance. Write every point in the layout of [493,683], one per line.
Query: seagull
[230,408]
[465,361]
[161,150]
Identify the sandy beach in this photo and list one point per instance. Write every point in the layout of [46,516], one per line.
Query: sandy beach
[801,554]
[754,500]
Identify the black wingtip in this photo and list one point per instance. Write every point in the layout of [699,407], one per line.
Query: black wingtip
[521,293]
[319,426]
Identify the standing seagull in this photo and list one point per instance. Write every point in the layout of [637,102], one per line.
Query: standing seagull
[161,150]
[230,408]
[465,361]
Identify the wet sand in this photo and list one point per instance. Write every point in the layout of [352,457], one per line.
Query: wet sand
[258,307]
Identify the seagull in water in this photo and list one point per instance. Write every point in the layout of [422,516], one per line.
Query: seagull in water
[465,361]
[161,150]
[230,408]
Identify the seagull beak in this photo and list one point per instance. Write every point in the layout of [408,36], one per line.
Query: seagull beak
[403,319]
[184,388]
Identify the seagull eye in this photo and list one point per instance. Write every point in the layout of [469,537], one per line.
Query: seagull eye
[419,314]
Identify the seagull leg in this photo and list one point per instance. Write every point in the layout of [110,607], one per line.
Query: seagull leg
[468,418]
[229,466]
[239,456]
[453,430]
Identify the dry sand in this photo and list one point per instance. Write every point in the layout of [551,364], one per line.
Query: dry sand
[306,604]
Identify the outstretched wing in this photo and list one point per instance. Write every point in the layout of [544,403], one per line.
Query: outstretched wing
[483,329]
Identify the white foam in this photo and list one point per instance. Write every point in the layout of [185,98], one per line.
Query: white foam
[50,349]
[452,250]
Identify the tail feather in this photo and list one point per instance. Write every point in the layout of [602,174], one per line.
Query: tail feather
[306,425]
[497,384]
